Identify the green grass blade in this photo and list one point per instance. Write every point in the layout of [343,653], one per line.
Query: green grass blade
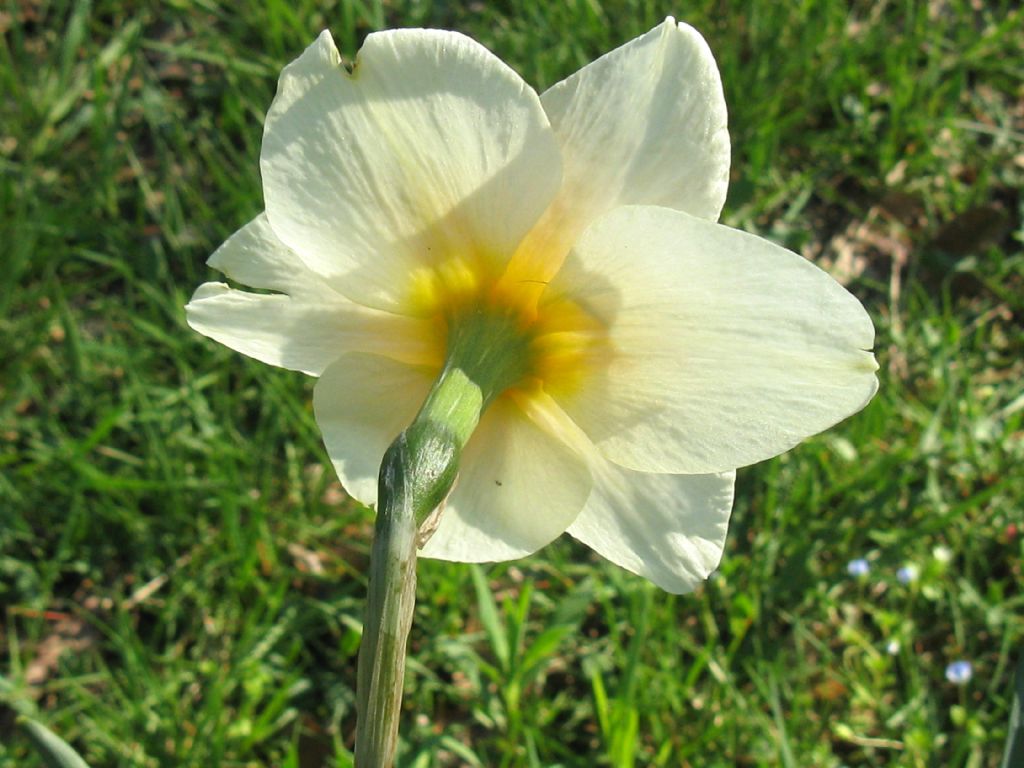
[489,617]
[56,752]
[1014,755]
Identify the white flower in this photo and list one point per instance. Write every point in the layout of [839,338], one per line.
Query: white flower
[431,184]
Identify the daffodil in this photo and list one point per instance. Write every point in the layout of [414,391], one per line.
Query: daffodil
[425,204]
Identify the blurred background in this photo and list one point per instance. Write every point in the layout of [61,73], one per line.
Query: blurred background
[182,578]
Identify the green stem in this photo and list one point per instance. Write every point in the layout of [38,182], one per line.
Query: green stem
[416,475]
[486,354]
[392,595]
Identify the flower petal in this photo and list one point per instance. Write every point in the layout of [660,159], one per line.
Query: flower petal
[431,149]
[304,329]
[643,124]
[519,488]
[725,348]
[667,528]
[361,403]
[254,256]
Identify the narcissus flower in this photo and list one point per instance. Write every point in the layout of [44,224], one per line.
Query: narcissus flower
[428,194]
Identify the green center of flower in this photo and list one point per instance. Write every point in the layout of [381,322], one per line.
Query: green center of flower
[487,353]
[491,347]
[505,332]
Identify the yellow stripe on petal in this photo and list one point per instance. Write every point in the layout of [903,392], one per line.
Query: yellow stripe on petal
[443,288]
[569,344]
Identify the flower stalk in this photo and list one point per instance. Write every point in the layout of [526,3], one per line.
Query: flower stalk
[390,602]
[416,474]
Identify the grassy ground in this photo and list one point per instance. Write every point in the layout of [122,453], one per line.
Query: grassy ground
[181,579]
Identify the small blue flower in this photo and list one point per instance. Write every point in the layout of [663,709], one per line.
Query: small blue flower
[959,672]
[907,574]
[858,567]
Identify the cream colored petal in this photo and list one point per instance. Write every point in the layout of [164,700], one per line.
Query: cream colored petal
[301,76]
[306,326]
[361,403]
[432,151]
[255,257]
[667,528]
[643,124]
[725,348]
[518,489]
[303,335]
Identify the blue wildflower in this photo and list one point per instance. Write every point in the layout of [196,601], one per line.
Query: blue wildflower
[907,574]
[858,567]
[959,672]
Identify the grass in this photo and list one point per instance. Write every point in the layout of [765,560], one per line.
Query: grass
[182,579]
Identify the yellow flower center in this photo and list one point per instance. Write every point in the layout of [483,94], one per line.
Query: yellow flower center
[508,334]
